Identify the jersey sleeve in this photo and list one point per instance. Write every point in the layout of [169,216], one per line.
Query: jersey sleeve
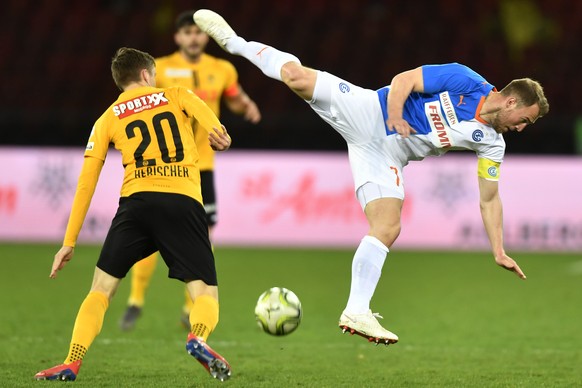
[197,109]
[231,86]
[98,140]
[85,189]
[492,148]
[95,154]
[452,77]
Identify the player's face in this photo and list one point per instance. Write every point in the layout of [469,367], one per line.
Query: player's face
[515,118]
[191,41]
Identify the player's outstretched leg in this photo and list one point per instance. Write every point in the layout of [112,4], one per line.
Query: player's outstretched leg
[214,363]
[215,26]
[268,59]
[367,326]
[203,321]
[87,326]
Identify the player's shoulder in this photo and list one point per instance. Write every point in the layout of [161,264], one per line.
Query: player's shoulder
[484,139]
[479,130]
[178,93]
[167,59]
[105,119]
[176,89]
[112,111]
[107,115]
[455,68]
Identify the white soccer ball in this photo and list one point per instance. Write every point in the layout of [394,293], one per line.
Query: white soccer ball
[278,311]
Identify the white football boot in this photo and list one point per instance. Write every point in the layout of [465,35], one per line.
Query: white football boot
[214,25]
[367,326]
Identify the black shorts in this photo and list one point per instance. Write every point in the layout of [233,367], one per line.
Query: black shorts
[173,224]
[209,196]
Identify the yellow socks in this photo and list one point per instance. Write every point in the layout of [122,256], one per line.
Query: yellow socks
[141,274]
[87,325]
[204,316]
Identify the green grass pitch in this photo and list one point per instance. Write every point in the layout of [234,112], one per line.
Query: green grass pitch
[462,322]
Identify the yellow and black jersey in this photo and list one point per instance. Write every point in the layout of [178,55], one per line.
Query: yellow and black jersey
[151,127]
[210,79]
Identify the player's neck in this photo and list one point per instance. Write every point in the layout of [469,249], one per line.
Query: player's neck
[491,106]
[190,58]
[135,85]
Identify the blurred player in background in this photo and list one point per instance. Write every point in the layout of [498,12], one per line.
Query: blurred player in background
[211,79]
[160,208]
[426,111]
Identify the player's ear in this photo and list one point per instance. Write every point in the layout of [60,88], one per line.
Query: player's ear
[147,76]
[511,102]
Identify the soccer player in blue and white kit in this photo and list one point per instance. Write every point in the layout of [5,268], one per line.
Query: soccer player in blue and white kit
[423,112]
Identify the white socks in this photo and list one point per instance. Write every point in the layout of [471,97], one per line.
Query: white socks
[266,58]
[366,270]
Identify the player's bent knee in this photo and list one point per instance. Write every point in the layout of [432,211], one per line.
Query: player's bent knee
[387,234]
[107,291]
[198,288]
[292,72]
[297,77]
[104,283]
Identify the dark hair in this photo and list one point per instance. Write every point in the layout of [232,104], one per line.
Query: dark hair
[127,64]
[528,92]
[185,19]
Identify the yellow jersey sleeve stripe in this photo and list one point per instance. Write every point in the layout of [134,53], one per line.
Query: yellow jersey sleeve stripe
[488,169]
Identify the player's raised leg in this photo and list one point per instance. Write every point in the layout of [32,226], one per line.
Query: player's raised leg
[273,63]
[87,326]
[203,320]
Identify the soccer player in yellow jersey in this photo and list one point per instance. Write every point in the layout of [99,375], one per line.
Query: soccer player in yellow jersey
[212,79]
[160,208]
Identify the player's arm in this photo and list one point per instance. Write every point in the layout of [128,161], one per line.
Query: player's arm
[240,103]
[197,109]
[492,215]
[400,88]
[85,189]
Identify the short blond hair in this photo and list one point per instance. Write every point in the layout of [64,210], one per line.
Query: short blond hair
[127,63]
[528,92]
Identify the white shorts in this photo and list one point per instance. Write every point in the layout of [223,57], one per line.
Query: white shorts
[375,158]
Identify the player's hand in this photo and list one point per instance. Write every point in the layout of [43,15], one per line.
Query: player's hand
[252,113]
[509,264]
[219,139]
[63,256]
[401,126]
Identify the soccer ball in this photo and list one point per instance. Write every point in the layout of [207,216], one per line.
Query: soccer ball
[278,311]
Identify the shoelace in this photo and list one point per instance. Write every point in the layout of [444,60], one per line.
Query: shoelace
[377,315]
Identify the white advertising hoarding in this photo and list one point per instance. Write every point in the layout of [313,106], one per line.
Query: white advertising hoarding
[307,199]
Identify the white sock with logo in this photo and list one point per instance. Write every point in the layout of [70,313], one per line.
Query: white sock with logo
[366,270]
[268,59]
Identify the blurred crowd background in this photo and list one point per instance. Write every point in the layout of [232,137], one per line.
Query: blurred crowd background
[55,57]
